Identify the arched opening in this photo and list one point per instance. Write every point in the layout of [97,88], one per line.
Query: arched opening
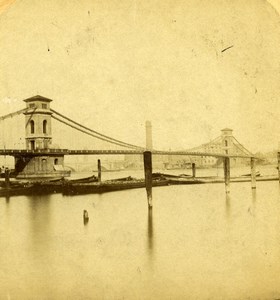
[45,126]
[226,143]
[44,164]
[56,161]
[32,126]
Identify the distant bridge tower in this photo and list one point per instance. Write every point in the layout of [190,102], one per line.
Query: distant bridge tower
[149,138]
[38,123]
[227,140]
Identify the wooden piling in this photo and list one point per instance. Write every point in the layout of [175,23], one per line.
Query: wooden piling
[227,173]
[253,172]
[85,216]
[278,158]
[193,170]
[7,178]
[150,228]
[148,176]
[99,170]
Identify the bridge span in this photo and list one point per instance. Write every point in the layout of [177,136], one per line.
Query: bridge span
[43,152]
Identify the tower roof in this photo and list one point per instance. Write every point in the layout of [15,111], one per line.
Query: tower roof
[227,129]
[38,98]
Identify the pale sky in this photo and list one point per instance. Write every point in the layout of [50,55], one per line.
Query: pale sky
[112,65]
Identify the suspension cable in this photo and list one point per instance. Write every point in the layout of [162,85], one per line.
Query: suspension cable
[243,149]
[206,144]
[98,137]
[95,132]
[13,114]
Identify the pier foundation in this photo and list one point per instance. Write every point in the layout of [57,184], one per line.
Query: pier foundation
[278,159]
[193,170]
[99,170]
[7,178]
[253,172]
[227,173]
[148,176]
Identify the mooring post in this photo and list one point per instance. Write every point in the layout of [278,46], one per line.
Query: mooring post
[193,170]
[253,172]
[278,158]
[85,216]
[148,176]
[7,178]
[227,173]
[99,170]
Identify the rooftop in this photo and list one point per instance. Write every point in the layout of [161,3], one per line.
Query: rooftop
[37,98]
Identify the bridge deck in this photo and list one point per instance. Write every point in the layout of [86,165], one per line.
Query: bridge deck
[43,152]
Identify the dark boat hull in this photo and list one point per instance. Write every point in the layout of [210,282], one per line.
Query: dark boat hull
[104,187]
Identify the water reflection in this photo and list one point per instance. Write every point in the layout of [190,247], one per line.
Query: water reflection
[7,199]
[40,223]
[254,195]
[150,229]
[228,205]
[254,201]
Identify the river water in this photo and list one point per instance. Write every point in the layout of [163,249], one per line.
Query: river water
[196,244]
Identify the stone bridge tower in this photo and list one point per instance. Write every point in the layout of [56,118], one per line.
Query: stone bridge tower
[227,140]
[38,123]
[41,161]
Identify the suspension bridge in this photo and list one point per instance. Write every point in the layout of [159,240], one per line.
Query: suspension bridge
[38,138]
[40,158]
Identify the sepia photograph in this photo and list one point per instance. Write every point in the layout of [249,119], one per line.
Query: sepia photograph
[139,151]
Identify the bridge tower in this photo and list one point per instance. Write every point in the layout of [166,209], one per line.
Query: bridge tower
[38,123]
[227,141]
[41,161]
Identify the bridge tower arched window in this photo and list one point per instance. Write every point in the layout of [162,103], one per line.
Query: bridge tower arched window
[45,126]
[44,164]
[32,126]
[226,143]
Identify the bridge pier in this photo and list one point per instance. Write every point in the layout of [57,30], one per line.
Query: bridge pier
[148,176]
[253,172]
[85,216]
[7,178]
[99,170]
[227,174]
[278,159]
[193,170]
